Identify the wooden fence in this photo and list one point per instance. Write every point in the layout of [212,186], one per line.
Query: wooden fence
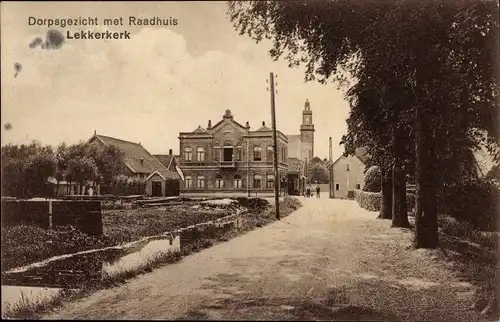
[84,215]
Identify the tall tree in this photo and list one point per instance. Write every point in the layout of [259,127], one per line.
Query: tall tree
[109,162]
[428,45]
[26,168]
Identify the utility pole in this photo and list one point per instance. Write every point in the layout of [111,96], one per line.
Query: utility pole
[248,165]
[275,148]
[330,171]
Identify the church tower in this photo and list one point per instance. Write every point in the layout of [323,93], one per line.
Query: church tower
[307,133]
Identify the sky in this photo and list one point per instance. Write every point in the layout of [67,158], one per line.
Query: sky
[147,89]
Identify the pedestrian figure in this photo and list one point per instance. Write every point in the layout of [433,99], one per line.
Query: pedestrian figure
[308,191]
[318,190]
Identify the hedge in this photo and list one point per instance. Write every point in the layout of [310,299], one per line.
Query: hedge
[371,200]
[368,200]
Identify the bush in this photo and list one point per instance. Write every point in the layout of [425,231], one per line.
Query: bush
[371,201]
[476,202]
[257,204]
[368,200]
[373,179]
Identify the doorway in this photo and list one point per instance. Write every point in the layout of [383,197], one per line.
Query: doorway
[156,189]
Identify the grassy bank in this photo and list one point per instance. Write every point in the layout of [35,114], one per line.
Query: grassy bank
[29,309]
[474,255]
[22,245]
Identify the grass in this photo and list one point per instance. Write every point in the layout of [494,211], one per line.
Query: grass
[474,255]
[22,245]
[153,221]
[35,309]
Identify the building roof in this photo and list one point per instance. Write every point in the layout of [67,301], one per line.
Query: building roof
[136,157]
[359,153]
[264,128]
[165,175]
[294,149]
[165,159]
[484,161]
[199,129]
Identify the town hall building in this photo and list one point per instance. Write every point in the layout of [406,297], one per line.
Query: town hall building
[229,158]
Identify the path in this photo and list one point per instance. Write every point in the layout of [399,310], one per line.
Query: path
[328,260]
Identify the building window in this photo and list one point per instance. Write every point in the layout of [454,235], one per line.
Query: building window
[200,154]
[239,154]
[188,182]
[188,154]
[257,153]
[358,186]
[257,181]
[219,182]
[337,187]
[348,167]
[237,183]
[201,182]
[270,181]
[270,151]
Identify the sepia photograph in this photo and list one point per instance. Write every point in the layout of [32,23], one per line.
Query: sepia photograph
[303,160]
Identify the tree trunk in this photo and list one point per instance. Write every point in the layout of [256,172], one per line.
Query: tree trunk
[386,198]
[399,210]
[426,230]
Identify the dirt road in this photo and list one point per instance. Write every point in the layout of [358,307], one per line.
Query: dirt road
[328,260]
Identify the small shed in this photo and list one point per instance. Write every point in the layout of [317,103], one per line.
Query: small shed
[163,183]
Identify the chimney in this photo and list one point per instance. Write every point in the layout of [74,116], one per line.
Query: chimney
[169,151]
[209,123]
[263,123]
[95,132]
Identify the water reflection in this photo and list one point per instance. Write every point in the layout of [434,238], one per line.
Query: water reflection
[42,283]
[75,271]
[43,280]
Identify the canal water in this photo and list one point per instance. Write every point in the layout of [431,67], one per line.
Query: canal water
[41,281]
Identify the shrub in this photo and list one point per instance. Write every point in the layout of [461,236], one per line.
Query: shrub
[257,204]
[371,201]
[368,200]
[373,178]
